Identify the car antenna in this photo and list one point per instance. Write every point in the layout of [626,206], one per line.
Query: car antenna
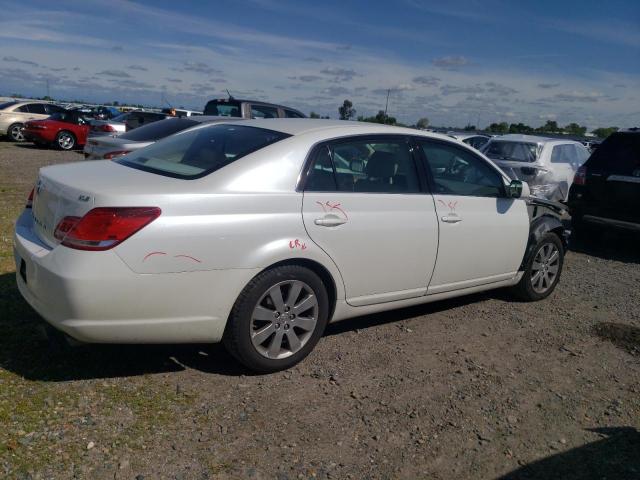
[229,93]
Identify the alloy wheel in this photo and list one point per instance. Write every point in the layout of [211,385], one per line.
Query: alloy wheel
[284,319]
[545,267]
[65,141]
[17,134]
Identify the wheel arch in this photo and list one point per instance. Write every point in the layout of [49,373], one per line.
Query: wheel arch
[320,270]
[540,226]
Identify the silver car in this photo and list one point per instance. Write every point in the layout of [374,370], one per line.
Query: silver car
[108,147]
[14,114]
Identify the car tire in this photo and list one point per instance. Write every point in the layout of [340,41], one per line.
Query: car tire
[543,269]
[14,132]
[65,140]
[264,332]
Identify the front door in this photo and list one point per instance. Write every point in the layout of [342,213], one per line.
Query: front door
[483,234]
[365,206]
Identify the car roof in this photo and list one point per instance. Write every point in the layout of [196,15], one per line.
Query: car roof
[517,137]
[299,126]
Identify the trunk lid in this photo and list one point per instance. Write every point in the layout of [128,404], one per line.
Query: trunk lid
[74,189]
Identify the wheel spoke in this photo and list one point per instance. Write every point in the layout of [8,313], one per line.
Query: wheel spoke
[536,277]
[294,293]
[261,313]
[535,266]
[307,324]
[554,256]
[305,304]
[294,341]
[276,344]
[553,269]
[276,295]
[260,336]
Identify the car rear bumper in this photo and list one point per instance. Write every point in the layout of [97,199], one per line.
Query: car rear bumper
[94,297]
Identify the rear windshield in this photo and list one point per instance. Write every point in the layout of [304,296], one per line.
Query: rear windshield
[619,153]
[223,108]
[512,151]
[157,130]
[200,152]
[7,105]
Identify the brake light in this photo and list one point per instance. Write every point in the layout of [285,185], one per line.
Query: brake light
[580,177]
[29,203]
[105,128]
[104,227]
[117,153]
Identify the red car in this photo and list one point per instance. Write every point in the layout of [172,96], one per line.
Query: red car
[66,130]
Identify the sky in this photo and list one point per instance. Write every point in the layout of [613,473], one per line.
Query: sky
[454,62]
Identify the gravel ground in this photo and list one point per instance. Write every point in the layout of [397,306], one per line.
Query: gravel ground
[479,387]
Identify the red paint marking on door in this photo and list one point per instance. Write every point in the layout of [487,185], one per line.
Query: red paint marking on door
[151,254]
[187,256]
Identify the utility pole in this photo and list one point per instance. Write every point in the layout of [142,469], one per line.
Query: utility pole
[386,105]
[48,95]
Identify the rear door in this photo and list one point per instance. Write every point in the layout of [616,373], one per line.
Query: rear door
[483,234]
[613,178]
[366,207]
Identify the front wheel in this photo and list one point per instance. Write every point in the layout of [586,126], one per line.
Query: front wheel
[278,319]
[65,140]
[543,269]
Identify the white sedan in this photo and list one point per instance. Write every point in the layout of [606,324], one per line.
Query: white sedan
[260,232]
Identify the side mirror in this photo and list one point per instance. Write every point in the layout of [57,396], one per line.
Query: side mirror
[518,189]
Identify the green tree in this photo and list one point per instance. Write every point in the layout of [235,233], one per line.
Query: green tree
[314,115]
[469,128]
[604,132]
[575,129]
[550,127]
[380,117]
[422,123]
[346,111]
[520,128]
[502,127]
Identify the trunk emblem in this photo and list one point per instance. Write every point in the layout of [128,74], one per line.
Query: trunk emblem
[84,198]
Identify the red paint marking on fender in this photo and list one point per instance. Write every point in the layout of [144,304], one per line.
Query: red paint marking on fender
[151,254]
[187,256]
[336,206]
[297,244]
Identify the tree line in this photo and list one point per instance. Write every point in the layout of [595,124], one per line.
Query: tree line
[348,112]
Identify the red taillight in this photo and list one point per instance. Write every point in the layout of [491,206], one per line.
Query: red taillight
[581,176]
[117,153]
[30,199]
[104,128]
[104,227]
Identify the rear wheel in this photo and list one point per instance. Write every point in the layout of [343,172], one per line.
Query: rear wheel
[65,140]
[278,319]
[543,269]
[15,132]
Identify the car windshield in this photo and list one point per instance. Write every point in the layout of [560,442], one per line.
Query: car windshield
[223,108]
[66,116]
[7,105]
[157,130]
[200,152]
[512,151]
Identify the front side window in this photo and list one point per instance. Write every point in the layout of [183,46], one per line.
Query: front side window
[456,171]
[364,166]
[263,111]
[512,151]
[476,142]
[200,152]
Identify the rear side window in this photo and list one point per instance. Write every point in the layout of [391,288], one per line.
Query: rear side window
[223,109]
[292,114]
[512,151]
[263,111]
[200,152]
[619,153]
[364,166]
[456,171]
[51,109]
[157,130]
[7,105]
[37,108]
[563,154]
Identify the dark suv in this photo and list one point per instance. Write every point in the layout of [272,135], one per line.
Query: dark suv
[606,189]
[232,107]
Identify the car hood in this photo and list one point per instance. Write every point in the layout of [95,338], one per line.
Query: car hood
[117,143]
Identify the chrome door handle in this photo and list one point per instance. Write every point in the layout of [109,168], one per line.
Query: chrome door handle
[451,218]
[330,221]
